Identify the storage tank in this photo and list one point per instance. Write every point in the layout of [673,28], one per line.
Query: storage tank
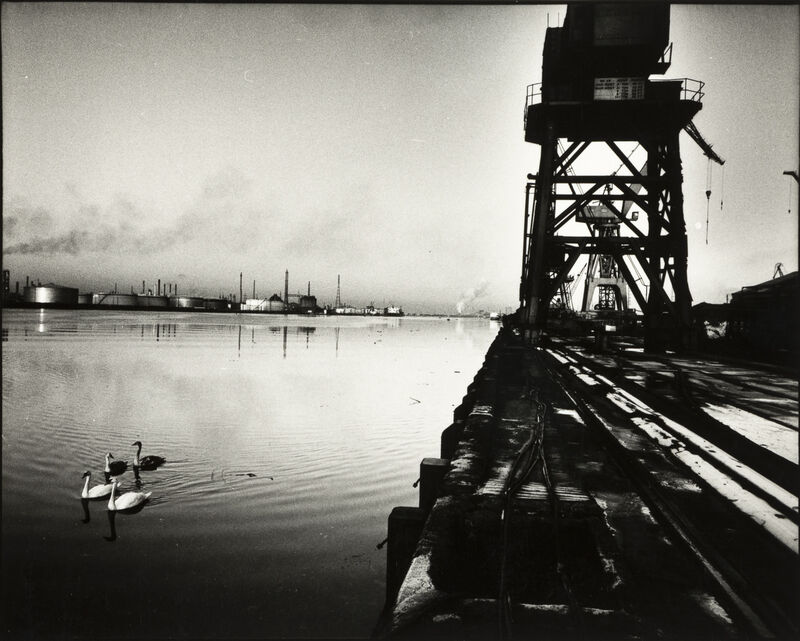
[150,301]
[84,299]
[215,304]
[308,303]
[276,304]
[112,299]
[187,302]
[50,294]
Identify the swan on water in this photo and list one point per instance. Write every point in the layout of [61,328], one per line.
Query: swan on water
[125,501]
[149,462]
[97,492]
[114,468]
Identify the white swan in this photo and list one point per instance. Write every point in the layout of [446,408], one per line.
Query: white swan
[125,501]
[97,492]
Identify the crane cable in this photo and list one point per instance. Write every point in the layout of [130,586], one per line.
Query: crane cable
[708,194]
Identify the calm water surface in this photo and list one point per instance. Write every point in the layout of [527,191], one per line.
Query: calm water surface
[288,441]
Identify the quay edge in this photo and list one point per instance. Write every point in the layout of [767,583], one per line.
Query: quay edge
[473,563]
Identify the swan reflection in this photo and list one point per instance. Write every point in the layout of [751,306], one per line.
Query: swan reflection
[111,513]
[86,514]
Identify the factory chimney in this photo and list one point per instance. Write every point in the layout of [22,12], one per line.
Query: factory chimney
[142,288]
[254,289]
[286,290]
[159,287]
[309,288]
[240,287]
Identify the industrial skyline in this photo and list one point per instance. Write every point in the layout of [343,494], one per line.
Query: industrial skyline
[383,143]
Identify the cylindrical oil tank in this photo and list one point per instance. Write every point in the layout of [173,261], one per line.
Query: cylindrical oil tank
[215,304]
[153,301]
[50,294]
[276,306]
[122,300]
[187,302]
[84,299]
[308,302]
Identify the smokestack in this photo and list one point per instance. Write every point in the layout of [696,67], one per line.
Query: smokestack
[142,287]
[170,289]
[240,287]
[286,289]
[159,287]
[254,289]
[309,288]
[176,289]
[17,287]
[27,284]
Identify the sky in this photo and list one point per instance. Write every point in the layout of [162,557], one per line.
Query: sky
[382,143]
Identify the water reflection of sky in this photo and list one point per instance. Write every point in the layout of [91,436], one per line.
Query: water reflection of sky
[288,441]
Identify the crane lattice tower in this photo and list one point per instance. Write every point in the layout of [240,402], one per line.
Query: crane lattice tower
[596,91]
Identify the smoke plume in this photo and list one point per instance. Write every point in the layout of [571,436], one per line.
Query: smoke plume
[471,295]
[223,213]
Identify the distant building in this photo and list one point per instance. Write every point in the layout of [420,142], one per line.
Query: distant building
[272,304]
[764,317]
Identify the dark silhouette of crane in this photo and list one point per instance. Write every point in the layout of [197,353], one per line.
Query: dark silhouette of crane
[596,91]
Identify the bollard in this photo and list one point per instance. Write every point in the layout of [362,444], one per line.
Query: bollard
[404,529]
[462,411]
[431,474]
[450,438]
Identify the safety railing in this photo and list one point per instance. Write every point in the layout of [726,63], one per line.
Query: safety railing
[690,89]
[532,96]
[666,56]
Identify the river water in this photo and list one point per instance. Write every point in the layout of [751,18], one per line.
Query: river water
[288,441]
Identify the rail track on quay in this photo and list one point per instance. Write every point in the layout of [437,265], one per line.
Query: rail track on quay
[608,495]
[695,409]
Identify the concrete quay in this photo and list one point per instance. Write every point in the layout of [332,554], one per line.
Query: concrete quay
[544,518]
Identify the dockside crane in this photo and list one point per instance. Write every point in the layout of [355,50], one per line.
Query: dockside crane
[596,90]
